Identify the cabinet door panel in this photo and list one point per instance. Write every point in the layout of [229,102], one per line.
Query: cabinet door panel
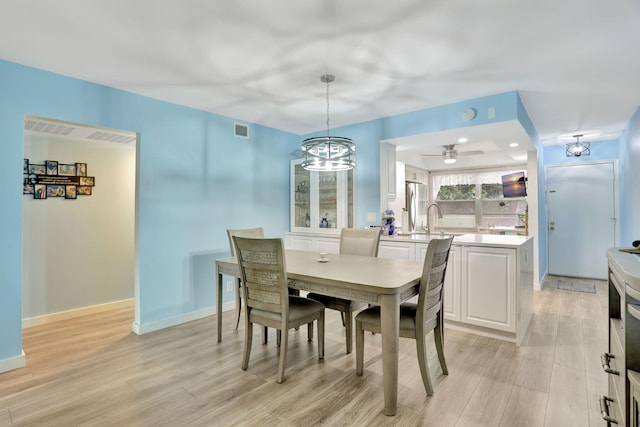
[488,296]
[397,250]
[321,202]
[451,299]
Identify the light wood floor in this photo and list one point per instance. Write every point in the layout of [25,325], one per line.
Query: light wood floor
[93,371]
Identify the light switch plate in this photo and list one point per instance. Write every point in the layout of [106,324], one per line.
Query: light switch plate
[371,217]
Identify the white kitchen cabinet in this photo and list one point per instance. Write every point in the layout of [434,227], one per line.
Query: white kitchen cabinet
[451,298]
[300,242]
[387,171]
[488,288]
[321,202]
[329,245]
[397,250]
[488,294]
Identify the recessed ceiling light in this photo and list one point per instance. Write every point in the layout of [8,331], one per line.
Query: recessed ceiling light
[513,144]
[462,139]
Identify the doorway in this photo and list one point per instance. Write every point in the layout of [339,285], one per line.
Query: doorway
[581,211]
[78,246]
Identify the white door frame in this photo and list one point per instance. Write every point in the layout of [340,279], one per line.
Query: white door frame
[616,200]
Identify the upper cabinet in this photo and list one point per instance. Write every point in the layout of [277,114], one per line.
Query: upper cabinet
[387,171]
[320,201]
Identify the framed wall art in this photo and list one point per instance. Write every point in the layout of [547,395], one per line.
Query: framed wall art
[37,169]
[67,170]
[70,192]
[40,191]
[81,169]
[87,180]
[52,167]
[84,190]
[55,190]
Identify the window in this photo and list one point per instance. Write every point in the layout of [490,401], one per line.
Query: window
[473,201]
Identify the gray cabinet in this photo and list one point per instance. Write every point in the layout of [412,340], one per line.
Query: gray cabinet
[621,362]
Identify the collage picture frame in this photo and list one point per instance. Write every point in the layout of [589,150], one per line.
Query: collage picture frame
[52,179]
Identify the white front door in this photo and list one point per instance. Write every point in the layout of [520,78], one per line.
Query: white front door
[581,218]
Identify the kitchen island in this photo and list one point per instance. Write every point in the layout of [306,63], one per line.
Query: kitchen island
[489,281]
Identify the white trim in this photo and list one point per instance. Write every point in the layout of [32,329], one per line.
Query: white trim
[12,363]
[139,329]
[539,285]
[76,312]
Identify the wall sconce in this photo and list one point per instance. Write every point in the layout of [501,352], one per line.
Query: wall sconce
[577,149]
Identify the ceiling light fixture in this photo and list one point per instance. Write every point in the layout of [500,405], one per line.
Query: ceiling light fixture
[462,140]
[328,153]
[577,149]
[450,154]
[513,144]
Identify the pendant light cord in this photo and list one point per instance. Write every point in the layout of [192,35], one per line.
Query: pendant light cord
[328,121]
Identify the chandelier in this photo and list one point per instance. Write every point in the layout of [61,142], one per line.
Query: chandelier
[328,153]
[577,149]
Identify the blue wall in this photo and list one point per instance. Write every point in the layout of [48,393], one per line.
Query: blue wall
[195,181]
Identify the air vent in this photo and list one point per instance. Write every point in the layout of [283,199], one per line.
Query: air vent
[78,131]
[240,130]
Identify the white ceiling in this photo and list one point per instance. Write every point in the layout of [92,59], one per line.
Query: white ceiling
[575,63]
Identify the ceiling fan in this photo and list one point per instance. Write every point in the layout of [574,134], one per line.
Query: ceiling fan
[450,153]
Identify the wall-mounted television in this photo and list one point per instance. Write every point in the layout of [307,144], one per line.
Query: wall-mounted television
[514,185]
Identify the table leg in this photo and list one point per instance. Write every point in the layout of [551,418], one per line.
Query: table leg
[390,319]
[219,307]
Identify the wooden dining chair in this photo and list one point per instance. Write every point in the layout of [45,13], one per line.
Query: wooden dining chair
[354,241]
[267,299]
[416,320]
[246,232]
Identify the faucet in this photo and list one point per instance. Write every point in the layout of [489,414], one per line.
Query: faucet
[428,228]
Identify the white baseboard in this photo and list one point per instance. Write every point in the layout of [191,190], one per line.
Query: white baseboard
[141,329]
[69,314]
[7,365]
[538,285]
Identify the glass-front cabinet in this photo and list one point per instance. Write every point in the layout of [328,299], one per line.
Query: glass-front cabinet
[320,201]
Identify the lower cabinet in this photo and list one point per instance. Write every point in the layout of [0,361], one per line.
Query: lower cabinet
[302,242]
[488,280]
[397,250]
[451,297]
[634,403]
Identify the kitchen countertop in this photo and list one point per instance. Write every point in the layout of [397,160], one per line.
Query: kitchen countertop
[495,240]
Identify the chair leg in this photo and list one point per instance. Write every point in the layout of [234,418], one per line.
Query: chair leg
[321,336]
[438,334]
[342,316]
[359,348]
[422,362]
[238,302]
[310,331]
[278,337]
[348,320]
[248,335]
[283,354]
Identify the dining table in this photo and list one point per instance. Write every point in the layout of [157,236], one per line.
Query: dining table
[385,282]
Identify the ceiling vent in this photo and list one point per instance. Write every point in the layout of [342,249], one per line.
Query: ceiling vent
[77,131]
[240,130]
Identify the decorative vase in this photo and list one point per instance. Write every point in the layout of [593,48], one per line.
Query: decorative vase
[391,229]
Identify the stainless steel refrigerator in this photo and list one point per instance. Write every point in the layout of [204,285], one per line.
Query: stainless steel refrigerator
[417,202]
